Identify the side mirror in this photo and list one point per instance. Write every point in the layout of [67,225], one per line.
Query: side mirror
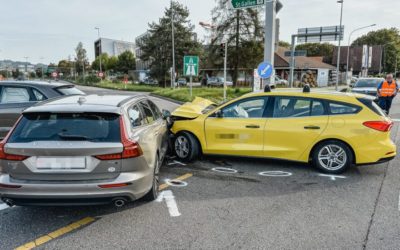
[219,114]
[166,114]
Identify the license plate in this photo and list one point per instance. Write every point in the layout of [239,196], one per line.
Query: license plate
[61,163]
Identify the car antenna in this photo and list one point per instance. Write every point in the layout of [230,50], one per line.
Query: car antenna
[267,88]
[306,88]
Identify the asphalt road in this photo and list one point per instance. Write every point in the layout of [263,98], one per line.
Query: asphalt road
[243,210]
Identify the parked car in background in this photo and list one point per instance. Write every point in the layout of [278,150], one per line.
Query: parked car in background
[281,81]
[150,81]
[181,82]
[217,82]
[333,131]
[15,96]
[367,86]
[84,150]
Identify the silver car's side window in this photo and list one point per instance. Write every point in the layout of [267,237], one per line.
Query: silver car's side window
[147,112]
[135,116]
[14,95]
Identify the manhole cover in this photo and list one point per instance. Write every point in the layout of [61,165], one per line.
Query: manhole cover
[275,174]
[176,183]
[225,170]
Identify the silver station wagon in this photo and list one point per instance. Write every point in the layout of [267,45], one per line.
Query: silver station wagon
[84,150]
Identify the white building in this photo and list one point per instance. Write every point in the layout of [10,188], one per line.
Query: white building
[112,47]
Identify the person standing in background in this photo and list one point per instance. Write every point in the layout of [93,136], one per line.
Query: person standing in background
[387,90]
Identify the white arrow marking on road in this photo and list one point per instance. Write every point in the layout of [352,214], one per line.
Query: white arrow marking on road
[333,177]
[3,206]
[169,198]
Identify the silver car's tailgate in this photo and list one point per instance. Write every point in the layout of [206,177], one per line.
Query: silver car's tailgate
[63,160]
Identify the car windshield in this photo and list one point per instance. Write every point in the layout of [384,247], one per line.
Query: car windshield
[94,127]
[367,83]
[69,90]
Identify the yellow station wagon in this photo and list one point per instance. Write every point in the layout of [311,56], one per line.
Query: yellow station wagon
[331,130]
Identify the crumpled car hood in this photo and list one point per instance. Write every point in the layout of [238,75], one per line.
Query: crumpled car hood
[192,109]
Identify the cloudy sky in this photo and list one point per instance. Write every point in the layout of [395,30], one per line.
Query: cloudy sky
[51,29]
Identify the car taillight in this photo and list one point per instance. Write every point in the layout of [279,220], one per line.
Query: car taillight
[10,157]
[383,126]
[131,149]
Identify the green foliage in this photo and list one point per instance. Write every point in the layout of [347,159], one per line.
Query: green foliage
[81,58]
[157,45]
[390,39]
[285,44]
[243,29]
[126,62]
[213,94]
[65,66]
[318,49]
[104,62]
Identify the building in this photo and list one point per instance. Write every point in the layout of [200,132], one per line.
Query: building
[303,64]
[112,47]
[356,59]
[140,64]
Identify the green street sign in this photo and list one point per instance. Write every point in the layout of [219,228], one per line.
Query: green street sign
[191,65]
[237,4]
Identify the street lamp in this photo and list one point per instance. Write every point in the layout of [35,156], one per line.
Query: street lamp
[340,38]
[348,47]
[98,34]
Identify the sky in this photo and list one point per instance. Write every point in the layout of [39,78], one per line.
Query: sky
[49,30]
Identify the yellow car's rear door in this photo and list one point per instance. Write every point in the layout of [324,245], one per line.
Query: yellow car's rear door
[237,129]
[295,124]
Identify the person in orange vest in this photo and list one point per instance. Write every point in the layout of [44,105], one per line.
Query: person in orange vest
[387,91]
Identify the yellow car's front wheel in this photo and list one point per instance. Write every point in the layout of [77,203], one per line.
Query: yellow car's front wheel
[186,147]
[332,157]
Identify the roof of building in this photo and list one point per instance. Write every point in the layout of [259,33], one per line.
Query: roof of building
[302,62]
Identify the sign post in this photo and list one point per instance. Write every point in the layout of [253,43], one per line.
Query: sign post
[191,68]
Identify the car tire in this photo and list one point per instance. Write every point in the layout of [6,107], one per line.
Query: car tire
[155,188]
[332,157]
[186,147]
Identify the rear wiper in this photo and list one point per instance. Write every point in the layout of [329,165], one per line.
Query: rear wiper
[74,137]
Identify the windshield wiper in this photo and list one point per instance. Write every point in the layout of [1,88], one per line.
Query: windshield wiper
[74,137]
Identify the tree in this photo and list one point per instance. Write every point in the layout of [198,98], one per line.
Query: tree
[112,63]
[157,46]
[81,58]
[285,44]
[126,62]
[243,31]
[104,62]
[390,40]
[318,49]
[65,67]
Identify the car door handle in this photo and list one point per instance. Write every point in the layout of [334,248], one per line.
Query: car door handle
[252,126]
[312,127]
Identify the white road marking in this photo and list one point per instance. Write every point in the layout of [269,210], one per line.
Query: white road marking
[176,163]
[225,170]
[333,177]
[3,206]
[169,198]
[275,174]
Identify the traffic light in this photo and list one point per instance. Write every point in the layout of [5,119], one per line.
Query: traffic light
[222,50]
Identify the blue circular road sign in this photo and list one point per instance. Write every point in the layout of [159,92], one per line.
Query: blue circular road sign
[265,70]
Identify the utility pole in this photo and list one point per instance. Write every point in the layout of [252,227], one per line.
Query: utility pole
[173,46]
[340,39]
[98,35]
[269,43]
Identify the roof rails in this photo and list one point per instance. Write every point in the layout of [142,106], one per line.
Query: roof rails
[129,98]
[306,88]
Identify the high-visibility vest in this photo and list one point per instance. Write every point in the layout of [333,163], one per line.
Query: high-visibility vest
[388,89]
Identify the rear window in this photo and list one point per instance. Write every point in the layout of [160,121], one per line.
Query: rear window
[369,102]
[93,127]
[368,83]
[69,90]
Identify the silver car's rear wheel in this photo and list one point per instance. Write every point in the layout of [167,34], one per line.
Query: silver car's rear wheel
[182,147]
[154,191]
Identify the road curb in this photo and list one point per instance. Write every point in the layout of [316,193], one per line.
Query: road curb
[166,99]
